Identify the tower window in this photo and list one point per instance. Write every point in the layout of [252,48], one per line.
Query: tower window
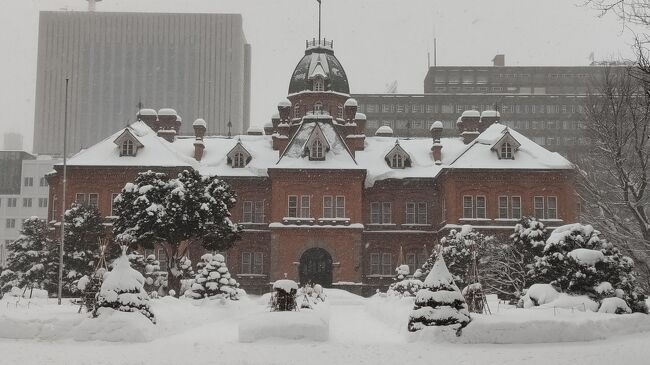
[506,150]
[238,160]
[318,106]
[319,84]
[397,162]
[316,152]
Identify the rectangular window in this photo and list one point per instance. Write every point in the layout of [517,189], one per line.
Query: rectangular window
[551,207]
[515,205]
[11,223]
[93,199]
[43,182]
[11,202]
[340,206]
[386,212]
[328,209]
[411,261]
[293,206]
[27,202]
[248,212]
[410,213]
[503,207]
[29,181]
[386,264]
[258,263]
[42,202]
[113,196]
[259,212]
[304,206]
[246,263]
[480,206]
[539,207]
[80,198]
[162,259]
[468,206]
[422,213]
[375,213]
[375,267]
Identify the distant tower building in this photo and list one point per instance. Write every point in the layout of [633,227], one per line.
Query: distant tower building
[91,4]
[13,141]
[199,64]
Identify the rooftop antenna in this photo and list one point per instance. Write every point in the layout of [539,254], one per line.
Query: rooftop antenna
[91,5]
[435,52]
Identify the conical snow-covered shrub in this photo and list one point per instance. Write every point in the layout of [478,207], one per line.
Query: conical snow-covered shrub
[123,290]
[213,279]
[440,302]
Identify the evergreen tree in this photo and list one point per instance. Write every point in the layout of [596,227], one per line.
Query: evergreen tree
[123,290]
[213,279]
[83,231]
[157,209]
[440,302]
[576,260]
[27,259]
[154,278]
[403,286]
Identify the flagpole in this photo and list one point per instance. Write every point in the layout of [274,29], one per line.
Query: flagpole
[65,171]
[319,3]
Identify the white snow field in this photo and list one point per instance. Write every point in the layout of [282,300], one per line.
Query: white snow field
[361,331]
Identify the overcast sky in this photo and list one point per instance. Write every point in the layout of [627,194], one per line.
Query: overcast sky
[377,41]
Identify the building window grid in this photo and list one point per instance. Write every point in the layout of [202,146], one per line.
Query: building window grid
[551,207]
[503,207]
[539,207]
[480,207]
[305,209]
[29,181]
[42,202]
[468,206]
[292,206]
[515,206]
[27,202]
[328,209]
[340,206]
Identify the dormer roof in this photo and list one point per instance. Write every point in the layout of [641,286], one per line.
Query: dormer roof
[398,150]
[239,148]
[127,134]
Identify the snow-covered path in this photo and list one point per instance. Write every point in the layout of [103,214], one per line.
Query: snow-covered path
[356,337]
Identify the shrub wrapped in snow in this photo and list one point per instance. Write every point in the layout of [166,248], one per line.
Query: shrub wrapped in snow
[123,290]
[213,279]
[406,287]
[439,303]
[614,305]
[284,295]
[154,278]
[539,294]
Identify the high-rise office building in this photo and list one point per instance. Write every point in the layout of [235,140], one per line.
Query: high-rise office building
[12,141]
[119,62]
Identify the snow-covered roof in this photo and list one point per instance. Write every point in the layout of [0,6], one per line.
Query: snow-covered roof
[167,111]
[478,154]
[199,122]
[284,103]
[470,113]
[384,130]
[147,112]
[360,116]
[350,102]
[490,113]
[436,125]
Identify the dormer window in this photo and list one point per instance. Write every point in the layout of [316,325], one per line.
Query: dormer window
[398,158]
[339,112]
[506,146]
[238,157]
[127,148]
[318,106]
[127,143]
[316,151]
[317,145]
[296,111]
[319,84]
[506,150]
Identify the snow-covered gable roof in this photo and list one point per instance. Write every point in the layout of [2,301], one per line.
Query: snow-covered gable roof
[337,157]
[155,151]
[506,137]
[127,134]
[318,71]
[239,148]
[316,134]
[479,154]
[397,149]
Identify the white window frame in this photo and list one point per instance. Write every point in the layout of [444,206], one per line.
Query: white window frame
[319,84]
[422,213]
[42,202]
[375,213]
[238,160]
[305,206]
[247,211]
[258,211]
[339,209]
[328,206]
[515,209]
[468,208]
[294,206]
[93,200]
[317,150]
[375,263]
[504,209]
[27,202]
[29,181]
[483,209]
[43,181]
[550,215]
[12,202]
[411,213]
[387,212]
[246,263]
[10,223]
[506,150]
[537,209]
[386,263]
[128,148]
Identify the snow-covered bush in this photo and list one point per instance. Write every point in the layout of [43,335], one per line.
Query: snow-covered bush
[578,262]
[284,295]
[155,209]
[154,278]
[440,302]
[123,290]
[213,279]
[614,305]
[406,287]
[27,259]
[538,294]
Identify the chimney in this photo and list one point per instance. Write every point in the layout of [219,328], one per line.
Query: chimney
[384,131]
[268,128]
[199,126]
[350,110]
[499,60]
[150,117]
[169,123]
[255,131]
[436,133]
[468,124]
[488,117]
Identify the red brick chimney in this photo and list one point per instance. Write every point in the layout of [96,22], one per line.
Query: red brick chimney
[199,126]
[150,117]
[350,110]
[169,122]
[436,133]
[488,117]
[468,125]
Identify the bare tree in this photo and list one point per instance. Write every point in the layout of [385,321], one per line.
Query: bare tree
[614,172]
[630,11]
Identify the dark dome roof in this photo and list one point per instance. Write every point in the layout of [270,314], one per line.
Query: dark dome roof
[307,68]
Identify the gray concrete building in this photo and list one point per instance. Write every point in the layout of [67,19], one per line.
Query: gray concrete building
[198,64]
[12,141]
[545,102]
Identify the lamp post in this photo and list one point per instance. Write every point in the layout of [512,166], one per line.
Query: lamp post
[65,175]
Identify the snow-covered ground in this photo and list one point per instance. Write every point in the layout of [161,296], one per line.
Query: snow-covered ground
[361,331]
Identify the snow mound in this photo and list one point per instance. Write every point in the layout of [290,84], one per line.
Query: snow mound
[586,256]
[392,310]
[306,324]
[115,326]
[539,294]
[614,305]
[286,285]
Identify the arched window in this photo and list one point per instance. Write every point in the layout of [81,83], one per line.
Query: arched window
[506,150]
[127,148]
[238,160]
[397,161]
[340,111]
[318,107]
[317,150]
[296,111]
[319,84]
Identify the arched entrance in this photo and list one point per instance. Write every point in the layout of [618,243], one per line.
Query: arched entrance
[316,267]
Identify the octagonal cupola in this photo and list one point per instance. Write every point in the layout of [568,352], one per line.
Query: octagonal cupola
[319,70]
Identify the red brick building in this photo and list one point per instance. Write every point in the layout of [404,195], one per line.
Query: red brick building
[319,200]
